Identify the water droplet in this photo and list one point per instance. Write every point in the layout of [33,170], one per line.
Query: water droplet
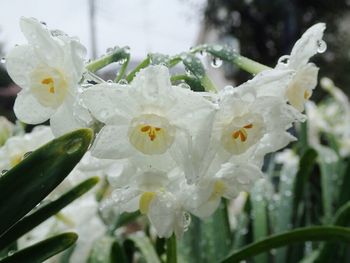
[216,62]
[203,53]
[186,220]
[74,145]
[122,61]
[123,82]
[321,46]
[284,60]
[3,60]
[11,252]
[110,81]
[26,154]
[43,23]
[4,171]
[217,48]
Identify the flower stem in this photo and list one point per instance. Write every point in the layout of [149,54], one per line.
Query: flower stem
[122,70]
[171,255]
[140,66]
[114,56]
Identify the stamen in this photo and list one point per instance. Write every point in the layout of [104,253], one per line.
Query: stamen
[50,82]
[152,131]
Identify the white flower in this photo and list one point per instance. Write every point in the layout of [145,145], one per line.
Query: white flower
[149,119]
[158,194]
[6,129]
[15,148]
[251,122]
[305,79]
[48,70]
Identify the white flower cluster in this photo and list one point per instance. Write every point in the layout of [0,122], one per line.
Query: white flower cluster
[178,151]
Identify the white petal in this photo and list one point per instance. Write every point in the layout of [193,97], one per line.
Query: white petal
[110,103]
[207,209]
[162,214]
[20,62]
[270,83]
[46,47]
[152,86]
[306,46]
[112,143]
[29,110]
[63,120]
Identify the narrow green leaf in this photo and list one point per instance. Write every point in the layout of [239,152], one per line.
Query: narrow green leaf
[344,195]
[145,246]
[107,250]
[207,240]
[29,182]
[42,250]
[115,55]
[34,219]
[260,218]
[305,168]
[317,233]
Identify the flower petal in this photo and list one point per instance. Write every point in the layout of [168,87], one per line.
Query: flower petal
[112,143]
[29,110]
[306,46]
[19,61]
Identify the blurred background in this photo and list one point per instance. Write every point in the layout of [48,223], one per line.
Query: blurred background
[263,30]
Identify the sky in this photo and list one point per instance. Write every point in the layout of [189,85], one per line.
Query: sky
[165,26]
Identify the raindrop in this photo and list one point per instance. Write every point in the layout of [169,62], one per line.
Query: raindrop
[43,23]
[3,60]
[321,46]
[110,81]
[26,154]
[217,48]
[123,82]
[203,53]
[186,220]
[122,61]
[11,252]
[4,171]
[216,62]
[74,145]
[109,50]
[283,60]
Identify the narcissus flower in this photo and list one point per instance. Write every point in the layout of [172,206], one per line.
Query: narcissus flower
[305,79]
[48,70]
[148,119]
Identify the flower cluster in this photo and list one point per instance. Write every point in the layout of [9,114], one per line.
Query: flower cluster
[178,151]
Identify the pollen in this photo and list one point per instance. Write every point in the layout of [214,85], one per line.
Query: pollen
[145,201]
[152,131]
[50,83]
[242,133]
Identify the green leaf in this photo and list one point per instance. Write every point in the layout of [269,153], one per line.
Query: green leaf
[317,233]
[331,250]
[260,217]
[42,250]
[29,182]
[115,55]
[344,195]
[305,168]
[171,252]
[207,240]
[145,246]
[107,250]
[34,219]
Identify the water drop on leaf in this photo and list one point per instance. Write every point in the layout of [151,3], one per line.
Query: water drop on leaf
[321,46]
[216,62]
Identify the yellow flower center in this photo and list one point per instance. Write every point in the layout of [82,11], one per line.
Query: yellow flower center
[49,86]
[50,83]
[145,201]
[151,134]
[307,95]
[242,133]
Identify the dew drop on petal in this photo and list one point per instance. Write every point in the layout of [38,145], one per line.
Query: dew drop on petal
[3,60]
[123,82]
[216,62]
[186,220]
[184,86]
[4,171]
[321,46]
[109,81]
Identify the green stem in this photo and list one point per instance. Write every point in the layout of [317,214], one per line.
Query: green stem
[140,66]
[122,70]
[179,77]
[208,84]
[171,255]
[115,56]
